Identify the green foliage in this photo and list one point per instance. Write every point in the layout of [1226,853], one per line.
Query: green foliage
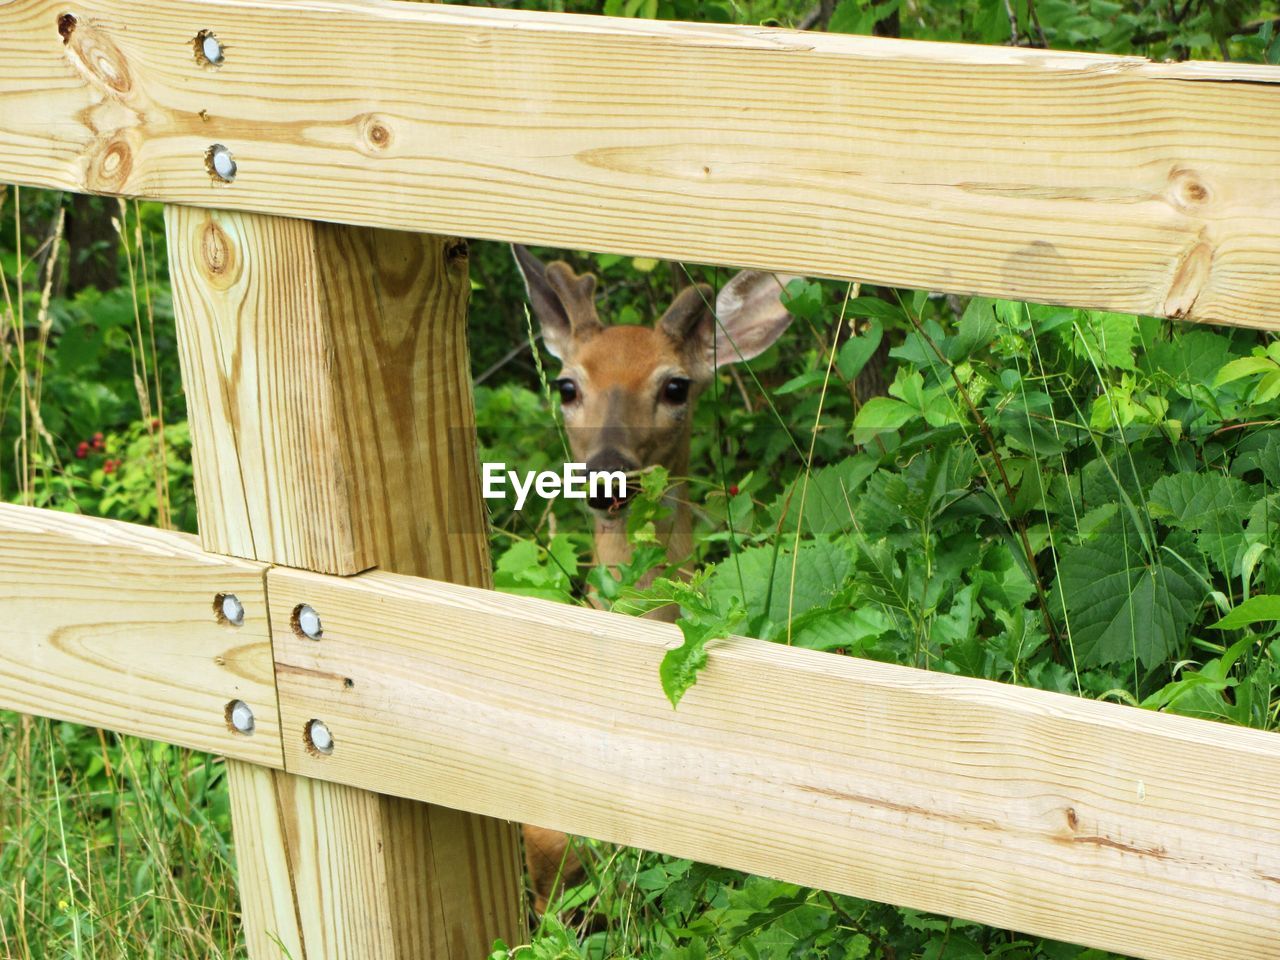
[1263,608]
[701,621]
[112,847]
[1079,501]
[1076,500]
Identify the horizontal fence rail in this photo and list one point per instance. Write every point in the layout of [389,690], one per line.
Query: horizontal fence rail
[1098,181]
[1150,834]
[115,625]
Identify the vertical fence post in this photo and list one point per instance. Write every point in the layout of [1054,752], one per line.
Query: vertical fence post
[327,381]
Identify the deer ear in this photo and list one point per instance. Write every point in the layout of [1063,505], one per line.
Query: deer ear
[689,315]
[551,314]
[563,302]
[749,316]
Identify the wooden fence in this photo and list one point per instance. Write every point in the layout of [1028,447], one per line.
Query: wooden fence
[326,371]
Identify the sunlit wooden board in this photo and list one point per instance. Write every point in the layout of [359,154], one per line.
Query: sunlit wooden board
[1149,834]
[1099,181]
[114,625]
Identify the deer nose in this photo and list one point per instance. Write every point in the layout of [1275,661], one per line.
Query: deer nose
[607,493]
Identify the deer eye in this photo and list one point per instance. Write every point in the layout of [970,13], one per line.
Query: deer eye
[568,390]
[676,390]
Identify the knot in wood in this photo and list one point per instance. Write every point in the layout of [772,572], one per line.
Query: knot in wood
[376,134]
[96,57]
[109,171]
[456,250]
[218,260]
[1187,191]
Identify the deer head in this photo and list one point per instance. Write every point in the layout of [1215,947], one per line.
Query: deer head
[627,392]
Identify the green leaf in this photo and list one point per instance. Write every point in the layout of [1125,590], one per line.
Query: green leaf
[1269,388]
[803,299]
[908,387]
[879,415]
[802,382]
[681,666]
[1259,609]
[854,16]
[976,329]
[1244,367]
[856,351]
[828,499]
[1120,604]
[759,579]
[1190,359]
[1190,501]
[1269,459]
[1213,504]
[701,624]
[1105,338]
[831,628]
[874,308]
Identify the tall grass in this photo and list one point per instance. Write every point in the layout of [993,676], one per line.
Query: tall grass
[110,847]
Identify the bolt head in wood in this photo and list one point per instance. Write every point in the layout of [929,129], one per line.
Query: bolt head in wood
[221,163]
[211,48]
[308,622]
[240,716]
[232,609]
[319,738]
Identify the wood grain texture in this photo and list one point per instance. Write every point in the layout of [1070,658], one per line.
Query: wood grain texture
[306,842]
[328,384]
[1099,181]
[259,833]
[332,423]
[257,370]
[113,625]
[1152,835]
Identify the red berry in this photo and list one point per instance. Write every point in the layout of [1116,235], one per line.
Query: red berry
[155,423]
[97,437]
[110,466]
[733,489]
[97,442]
[82,450]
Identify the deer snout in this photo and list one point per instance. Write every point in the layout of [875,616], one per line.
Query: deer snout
[612,486]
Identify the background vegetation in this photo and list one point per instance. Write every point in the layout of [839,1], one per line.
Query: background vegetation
[1079,501]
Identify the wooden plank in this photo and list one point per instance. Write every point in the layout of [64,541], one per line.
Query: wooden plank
[298,836]
[1100,181]
[259,829]
[269,476]
[322,390]
[328,382]
[1152,835]
[114,625]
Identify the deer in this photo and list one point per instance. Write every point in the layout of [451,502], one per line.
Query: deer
[627,395]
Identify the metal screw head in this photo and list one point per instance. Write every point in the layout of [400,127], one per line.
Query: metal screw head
[308,621]
[318,737]
[211,47]
[222,163]
[232,609]
[241,717]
